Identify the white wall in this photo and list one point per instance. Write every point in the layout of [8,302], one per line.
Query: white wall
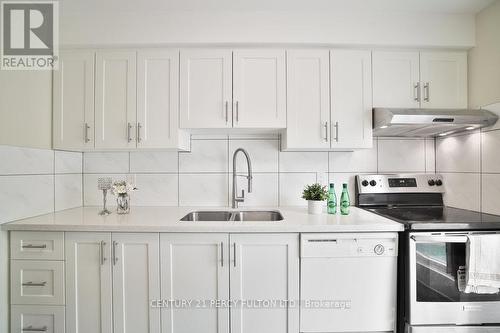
[484,59]
[26,108]
[102,27]
[202,177]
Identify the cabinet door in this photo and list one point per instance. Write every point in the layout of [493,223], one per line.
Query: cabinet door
[264,267]
[194,268]
[308,99]
[115,100]
[259,89]
[136,281]
[396,79]
[74,100]
[444,79]
[157,98]
[351,99]
[88,283]
[205,88]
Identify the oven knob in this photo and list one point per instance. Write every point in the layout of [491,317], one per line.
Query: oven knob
[379,249]
[431,182]
[373,183]
[439,182]
[364,183]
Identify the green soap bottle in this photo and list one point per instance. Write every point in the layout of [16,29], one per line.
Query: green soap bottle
[344,201]
[332,200]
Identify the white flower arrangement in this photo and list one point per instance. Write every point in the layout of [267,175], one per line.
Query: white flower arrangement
[122,187]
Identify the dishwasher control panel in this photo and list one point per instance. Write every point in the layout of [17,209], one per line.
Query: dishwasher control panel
[348,245]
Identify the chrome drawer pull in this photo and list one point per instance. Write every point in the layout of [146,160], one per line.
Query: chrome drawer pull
[35,284]
[31,246]
[34,329]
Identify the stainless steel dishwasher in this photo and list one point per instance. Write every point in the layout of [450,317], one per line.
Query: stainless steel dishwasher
[348,282]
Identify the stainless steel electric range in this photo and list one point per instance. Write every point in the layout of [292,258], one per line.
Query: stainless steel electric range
[432,256]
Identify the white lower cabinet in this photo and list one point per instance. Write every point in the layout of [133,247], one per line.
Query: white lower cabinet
[136,281]
[264,283]
[37,282]
[88,283]
[195,268]
[247,269]
[30,318]
[110,279]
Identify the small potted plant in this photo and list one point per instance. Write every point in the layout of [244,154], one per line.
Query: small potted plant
[122,189]
[315,194]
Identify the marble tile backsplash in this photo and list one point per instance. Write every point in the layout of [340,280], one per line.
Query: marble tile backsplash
[38,181]
[202,177]
[470,164]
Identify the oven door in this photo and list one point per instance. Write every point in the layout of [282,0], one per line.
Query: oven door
[436,278]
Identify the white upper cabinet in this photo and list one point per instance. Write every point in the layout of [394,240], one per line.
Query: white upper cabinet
[158,100]
[74,101]
[264,267]
[351,99]
[115,105]
[205,88]
[308,99]
[444,79]
[259,89]
[432,80]
[195,267]
[396,79]
[136,281]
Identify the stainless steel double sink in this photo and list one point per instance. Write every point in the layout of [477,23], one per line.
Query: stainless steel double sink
[234,216]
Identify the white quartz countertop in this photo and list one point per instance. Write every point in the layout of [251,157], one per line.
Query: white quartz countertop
[167,219]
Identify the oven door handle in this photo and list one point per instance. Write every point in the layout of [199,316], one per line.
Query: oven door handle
[440,239]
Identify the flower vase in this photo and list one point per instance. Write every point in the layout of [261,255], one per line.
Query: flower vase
[123,203]
[315,207]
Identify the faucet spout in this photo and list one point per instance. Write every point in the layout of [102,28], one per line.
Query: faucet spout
[235,198]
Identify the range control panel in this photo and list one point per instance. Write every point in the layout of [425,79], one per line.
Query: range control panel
[418,183]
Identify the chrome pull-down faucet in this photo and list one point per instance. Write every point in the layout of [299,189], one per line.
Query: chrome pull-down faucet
[236,199]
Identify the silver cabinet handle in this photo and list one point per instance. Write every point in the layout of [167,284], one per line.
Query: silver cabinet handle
[31,246]
[103,258]
[139,127]
[115,258]
[416,92]
[227,111]
[34,329]
[221,254]
[426,92]
[87,138]
[237,111]
[234,254]
[336,131]
[34,284]
[129,132]
[326,131]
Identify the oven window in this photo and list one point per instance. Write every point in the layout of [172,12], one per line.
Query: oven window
[440,274]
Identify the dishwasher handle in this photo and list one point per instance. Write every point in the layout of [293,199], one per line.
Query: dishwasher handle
[347,245]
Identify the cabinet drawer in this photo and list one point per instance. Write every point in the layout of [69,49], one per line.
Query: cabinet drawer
[37,282]
[44,319]
[37,245]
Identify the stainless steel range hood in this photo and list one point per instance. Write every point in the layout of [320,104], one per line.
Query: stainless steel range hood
[428,122]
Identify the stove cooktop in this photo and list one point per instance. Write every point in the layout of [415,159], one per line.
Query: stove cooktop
[438,218]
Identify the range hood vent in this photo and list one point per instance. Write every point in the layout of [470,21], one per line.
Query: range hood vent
[428,122]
